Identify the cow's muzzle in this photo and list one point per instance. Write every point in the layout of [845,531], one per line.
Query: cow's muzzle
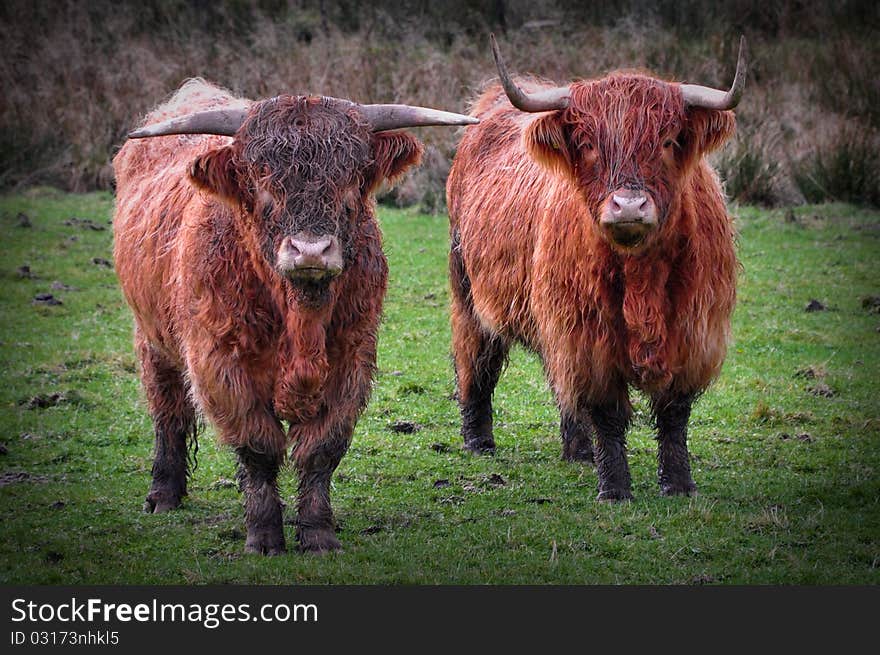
[307,257]
[628,217]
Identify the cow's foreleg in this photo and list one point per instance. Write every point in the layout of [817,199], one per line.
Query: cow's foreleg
[577,437]
[611,421]
[671,413]
[174,422]
[258,473]
[316,459]
[232,392]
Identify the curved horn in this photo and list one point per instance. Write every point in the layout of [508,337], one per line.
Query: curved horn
[218,121]
[392,117]
[704,96]
[540,101]
[227,121]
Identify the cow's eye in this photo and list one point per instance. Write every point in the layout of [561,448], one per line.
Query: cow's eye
[589,146]
[668,143]
[350,202]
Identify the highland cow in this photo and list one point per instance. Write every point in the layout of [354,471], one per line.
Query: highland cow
[587,225]
[248,250]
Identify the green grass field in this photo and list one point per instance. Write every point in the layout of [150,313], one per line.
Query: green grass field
[785,446]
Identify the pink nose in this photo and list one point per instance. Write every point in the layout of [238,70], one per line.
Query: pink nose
[628,217]
[628,205]
[305,256]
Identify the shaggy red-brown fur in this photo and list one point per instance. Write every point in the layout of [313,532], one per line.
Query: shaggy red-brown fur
[530,262]
[198,222]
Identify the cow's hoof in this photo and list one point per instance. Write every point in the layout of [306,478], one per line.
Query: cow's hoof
[480,446]
[158,502]
[583,455]
[614,495]
[265,542]
[686,488]
[318,541]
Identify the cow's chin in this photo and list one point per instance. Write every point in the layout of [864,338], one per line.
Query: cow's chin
[311,275]
[310,290]
[628,237]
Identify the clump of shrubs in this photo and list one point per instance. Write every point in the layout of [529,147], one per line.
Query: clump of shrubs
[424,187]
[846,170]
[750,173]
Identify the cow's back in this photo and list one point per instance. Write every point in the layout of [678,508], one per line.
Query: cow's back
[158,209]
[500,200]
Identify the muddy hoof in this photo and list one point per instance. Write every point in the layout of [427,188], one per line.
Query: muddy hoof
[583,455]
[480,446]
[686,488]
[318,541]
[614,495]
[265,542]
[158,502]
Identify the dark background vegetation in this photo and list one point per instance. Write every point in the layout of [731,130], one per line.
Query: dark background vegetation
[76,76]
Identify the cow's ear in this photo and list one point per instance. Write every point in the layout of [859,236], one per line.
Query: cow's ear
[545,141]
[393,153]
[707,130]
[214,172]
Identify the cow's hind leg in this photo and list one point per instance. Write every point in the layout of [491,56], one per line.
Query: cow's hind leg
[577,438]
[671,413]
[479,358]
[611,421]
[316,459]
[174,421]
